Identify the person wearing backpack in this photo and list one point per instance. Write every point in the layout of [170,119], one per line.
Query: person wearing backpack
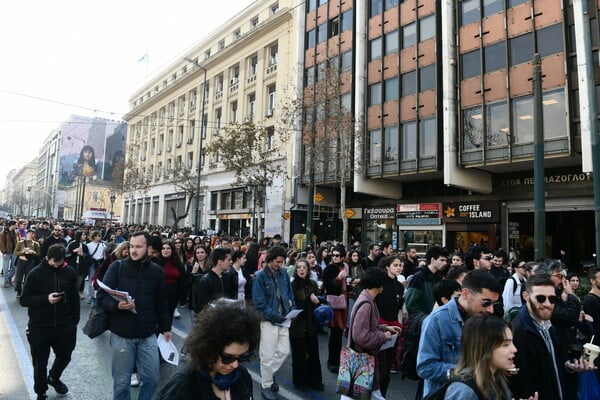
[488,355]
[440,342]
[511,296]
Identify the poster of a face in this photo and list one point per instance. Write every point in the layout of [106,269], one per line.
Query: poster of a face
[87,161]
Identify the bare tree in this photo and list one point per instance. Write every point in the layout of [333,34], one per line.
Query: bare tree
[184,181]
[134,180]
[253,152]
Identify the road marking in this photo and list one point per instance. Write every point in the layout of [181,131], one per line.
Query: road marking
[19,346]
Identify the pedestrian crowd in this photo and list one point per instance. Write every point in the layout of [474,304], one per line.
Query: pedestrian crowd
[476,325]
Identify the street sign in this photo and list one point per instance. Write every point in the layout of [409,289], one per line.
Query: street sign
[319,197]
[350,213]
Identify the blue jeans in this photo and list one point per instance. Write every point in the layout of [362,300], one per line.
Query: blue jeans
[8,265]
[143,353]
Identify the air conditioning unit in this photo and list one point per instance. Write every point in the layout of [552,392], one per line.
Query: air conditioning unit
[269,113]
[190,141]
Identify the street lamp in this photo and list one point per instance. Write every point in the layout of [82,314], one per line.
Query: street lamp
[112,198]
[197,202]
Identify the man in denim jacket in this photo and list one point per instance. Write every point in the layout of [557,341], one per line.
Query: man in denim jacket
[273,297]
[439,346]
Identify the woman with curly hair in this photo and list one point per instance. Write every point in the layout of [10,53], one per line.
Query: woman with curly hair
[225,335]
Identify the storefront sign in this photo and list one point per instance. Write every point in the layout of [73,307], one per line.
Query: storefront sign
[418,211]
[235,216]
[471,211]
[375,213]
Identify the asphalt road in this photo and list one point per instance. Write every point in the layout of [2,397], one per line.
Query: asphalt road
[88,375]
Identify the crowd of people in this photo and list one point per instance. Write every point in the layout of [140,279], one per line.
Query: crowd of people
[491,327]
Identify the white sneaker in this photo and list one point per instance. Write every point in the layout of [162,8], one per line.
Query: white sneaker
[134,380]
[176,314]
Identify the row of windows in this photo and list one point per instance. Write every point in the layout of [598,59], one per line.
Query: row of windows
[521,50]
[499,128]
[376,7]
[401,144]
[321,69]
[390,42]
[422,79]
[329,29]
[474,10]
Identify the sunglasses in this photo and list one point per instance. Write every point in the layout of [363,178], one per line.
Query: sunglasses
[487,258]
[485,303]
[540,298]
[336,255]
[229,359]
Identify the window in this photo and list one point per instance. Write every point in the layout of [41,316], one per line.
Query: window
[376,8]
[391,42]
[252,65]
[311,5]
[472,128]
[555,120]
[322,71]
[409,83]
[427,78]
[391,89]
[409,35]
[219,84]
[391,143]
[237,34]
[346,102]
[375,50]
[512,3]
[347,20]
[169,167]
[271,97]
[497,124]
[347,61]
[550,40]
[322,33]
[311,38]
[179,136]
[233,108]
[251,106]
[221,44]
[207,54]
[254,22]
[214,198]
[390,4]
[334,26]
[170,140]
[495,57]
[273,54]
[409,141]
[204,126]
[469,11]
[427,27]
[491,7]
[375,94]
[270,138]
[521,49]
[375,147]
[274,8]
[427,138]
[218,114]
[192,130]
[470,64]
[309,76]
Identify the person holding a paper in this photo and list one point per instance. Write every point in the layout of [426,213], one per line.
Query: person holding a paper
[50,293]
[273,297]
[133,339]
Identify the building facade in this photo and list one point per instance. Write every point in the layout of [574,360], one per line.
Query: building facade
[442,91]
[249,64]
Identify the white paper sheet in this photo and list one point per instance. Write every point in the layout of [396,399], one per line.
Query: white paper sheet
[389,343]
[168,351]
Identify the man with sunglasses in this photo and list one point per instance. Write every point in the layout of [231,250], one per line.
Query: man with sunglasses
[440,342]
[542,357]
[55,238]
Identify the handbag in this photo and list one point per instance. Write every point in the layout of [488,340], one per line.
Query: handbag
[97,321]
[337,302]
[357,370]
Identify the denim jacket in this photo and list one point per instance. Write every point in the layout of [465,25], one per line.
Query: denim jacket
[439,345]
[264,294]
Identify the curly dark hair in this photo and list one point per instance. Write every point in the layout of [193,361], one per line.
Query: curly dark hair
[217,327]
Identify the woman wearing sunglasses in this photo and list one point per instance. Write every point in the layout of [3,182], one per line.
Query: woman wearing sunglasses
[225,335]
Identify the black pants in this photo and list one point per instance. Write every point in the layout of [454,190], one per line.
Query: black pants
[306,366]
[335,346]
[62,341]
[385,359]
[22,269]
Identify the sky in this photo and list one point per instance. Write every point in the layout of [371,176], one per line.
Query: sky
[66,57]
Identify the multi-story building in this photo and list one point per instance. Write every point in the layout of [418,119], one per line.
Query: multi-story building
[442,93]
[20,184]
[240,71]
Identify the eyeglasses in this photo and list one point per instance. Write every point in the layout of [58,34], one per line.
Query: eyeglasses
[558,275]
[540,298]
[336,255]
[485,303]
[229,359]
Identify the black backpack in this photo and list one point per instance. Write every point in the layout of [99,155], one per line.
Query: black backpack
[409,346]
[440,393]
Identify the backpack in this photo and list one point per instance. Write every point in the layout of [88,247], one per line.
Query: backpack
[440,393]
[409,346]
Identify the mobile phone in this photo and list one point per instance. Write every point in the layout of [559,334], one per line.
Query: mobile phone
[61,294]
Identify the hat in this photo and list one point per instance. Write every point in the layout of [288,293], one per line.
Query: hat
[45,223]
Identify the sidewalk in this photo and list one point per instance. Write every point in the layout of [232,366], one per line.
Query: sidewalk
[12,383]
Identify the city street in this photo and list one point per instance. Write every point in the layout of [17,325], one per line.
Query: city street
[88,376]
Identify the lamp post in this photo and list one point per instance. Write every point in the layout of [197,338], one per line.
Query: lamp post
[197,200]
[112,198]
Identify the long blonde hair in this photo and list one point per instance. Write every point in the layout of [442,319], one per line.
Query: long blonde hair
[480,337]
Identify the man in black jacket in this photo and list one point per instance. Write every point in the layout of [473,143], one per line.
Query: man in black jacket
[50,292]
[133,323]
[212,285]
[55,238]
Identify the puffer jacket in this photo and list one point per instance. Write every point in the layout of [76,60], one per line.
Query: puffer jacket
[40,282]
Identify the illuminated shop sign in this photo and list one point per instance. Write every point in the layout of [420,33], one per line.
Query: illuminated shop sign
[419,214]
[471,211]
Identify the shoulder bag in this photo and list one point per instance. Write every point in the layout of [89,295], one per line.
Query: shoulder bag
[97,322]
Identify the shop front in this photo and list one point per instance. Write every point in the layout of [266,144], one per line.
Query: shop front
[471,223]
[379,225]
[419,226]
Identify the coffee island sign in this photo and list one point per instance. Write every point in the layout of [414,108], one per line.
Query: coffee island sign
[471,211]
